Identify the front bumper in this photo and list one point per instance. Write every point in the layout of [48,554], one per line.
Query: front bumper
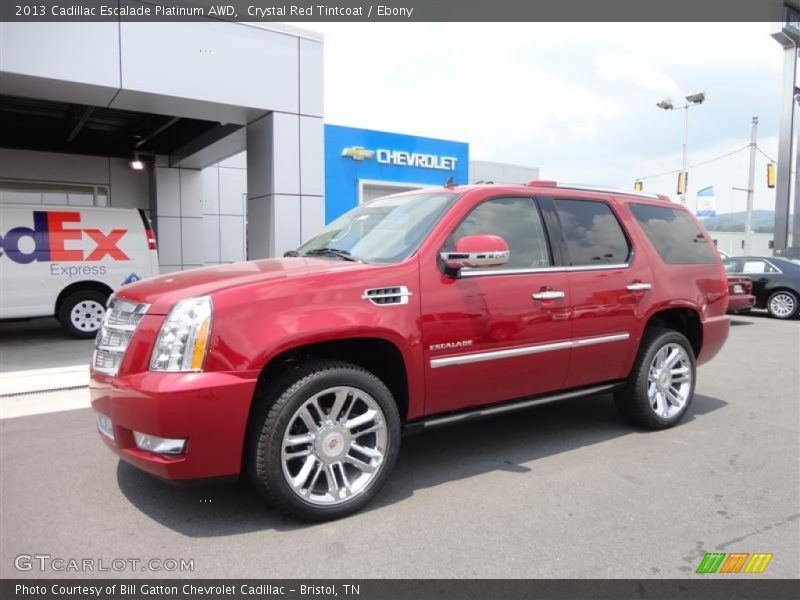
[209,410]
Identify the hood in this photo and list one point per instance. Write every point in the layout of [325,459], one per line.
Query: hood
[164,291]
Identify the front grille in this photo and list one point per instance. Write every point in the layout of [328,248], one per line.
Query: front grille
[112,340]
[388,295]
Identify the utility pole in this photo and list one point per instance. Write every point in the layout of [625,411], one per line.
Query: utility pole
[751,182]
[685,153]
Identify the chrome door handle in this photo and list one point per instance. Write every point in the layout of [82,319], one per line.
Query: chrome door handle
[639,287]
[548,295]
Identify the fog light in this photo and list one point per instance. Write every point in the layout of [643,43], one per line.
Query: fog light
[159,445]
[104,425]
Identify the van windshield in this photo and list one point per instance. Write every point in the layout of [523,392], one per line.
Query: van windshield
[386,231]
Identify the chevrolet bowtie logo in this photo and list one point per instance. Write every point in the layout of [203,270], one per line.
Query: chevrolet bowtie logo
[358,153]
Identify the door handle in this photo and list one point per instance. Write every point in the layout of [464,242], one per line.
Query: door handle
[639,286]
[548,295]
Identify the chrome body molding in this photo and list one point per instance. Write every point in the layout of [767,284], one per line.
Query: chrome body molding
[496,409]
[465,359]
[482,272]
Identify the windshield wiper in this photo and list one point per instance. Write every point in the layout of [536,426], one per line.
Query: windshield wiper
[343,254]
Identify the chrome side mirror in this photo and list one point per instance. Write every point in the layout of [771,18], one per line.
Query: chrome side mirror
[477,251]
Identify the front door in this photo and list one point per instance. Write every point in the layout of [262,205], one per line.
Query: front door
[502,333]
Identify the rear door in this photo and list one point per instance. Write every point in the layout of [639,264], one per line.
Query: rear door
[501,333]
[609,290]
[116,246]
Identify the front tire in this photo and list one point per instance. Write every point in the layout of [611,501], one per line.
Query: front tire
[660,388]
[323,440]
[81,313]
[782,305]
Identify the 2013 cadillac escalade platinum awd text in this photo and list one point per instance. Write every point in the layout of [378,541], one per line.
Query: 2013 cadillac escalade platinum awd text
[413,310]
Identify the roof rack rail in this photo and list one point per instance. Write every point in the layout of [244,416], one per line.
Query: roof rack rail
[613,190]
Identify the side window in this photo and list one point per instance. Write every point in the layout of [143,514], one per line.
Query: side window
[517,221]
[675,235]
[730,266]
[592,233]
[758,266]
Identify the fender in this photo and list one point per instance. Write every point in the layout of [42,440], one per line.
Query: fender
[291,313]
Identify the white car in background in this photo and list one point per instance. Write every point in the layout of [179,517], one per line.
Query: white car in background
[65,261]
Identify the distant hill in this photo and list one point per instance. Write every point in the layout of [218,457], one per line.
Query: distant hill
[763,221]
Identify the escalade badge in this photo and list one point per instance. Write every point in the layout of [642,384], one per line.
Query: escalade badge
[451,345]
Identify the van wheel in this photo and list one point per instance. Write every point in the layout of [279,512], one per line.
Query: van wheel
[782,305]
[81,313]
[323,440]
[661,385]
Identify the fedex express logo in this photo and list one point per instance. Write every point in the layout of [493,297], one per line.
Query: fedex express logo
[49,236]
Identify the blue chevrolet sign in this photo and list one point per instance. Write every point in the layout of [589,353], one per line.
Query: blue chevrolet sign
[358,157]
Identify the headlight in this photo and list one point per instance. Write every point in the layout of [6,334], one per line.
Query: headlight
[183,340]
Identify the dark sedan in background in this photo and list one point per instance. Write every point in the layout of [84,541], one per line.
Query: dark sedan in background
[776,282]
[740,298]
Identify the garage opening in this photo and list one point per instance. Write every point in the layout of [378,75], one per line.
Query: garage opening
[369,191]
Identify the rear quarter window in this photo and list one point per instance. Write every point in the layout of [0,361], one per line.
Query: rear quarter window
[674,234]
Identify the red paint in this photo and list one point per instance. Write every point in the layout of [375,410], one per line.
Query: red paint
[264,308]
[58,235]
[740,300]
[480,243]
[106,244]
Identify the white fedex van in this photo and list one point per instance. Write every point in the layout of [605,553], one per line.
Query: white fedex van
[65,261]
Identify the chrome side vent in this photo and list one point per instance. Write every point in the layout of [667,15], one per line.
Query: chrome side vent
[122,318]
[387,295]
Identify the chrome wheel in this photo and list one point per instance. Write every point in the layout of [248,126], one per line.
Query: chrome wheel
[334,446]
[782,305]
[87,315]
[669,381]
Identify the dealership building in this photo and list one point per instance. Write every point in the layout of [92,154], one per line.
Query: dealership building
[215,129]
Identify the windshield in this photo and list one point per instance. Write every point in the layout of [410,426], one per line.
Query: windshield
[387,230]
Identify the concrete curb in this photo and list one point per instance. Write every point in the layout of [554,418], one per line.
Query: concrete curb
[40,380]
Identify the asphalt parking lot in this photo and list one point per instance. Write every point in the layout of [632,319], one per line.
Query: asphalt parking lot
[564,490]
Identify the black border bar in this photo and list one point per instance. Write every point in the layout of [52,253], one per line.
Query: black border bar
[398,10]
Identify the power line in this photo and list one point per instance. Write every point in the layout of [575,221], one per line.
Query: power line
[768,157]
[700,164]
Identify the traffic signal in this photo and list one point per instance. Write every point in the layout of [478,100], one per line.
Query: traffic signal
[771,175]
[638,185]
[683,181]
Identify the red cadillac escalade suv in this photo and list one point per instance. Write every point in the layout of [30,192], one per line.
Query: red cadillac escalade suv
[413,310]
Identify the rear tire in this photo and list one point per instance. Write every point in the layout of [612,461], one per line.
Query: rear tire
[782,305]
[322,440]
[81,313]
[660,388]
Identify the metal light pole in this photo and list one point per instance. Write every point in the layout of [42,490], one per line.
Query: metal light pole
[691,100]
[751,182]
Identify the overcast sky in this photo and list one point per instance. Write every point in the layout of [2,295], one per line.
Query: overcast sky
[576,100]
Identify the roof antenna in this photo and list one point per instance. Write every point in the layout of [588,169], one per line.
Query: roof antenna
[450,182]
